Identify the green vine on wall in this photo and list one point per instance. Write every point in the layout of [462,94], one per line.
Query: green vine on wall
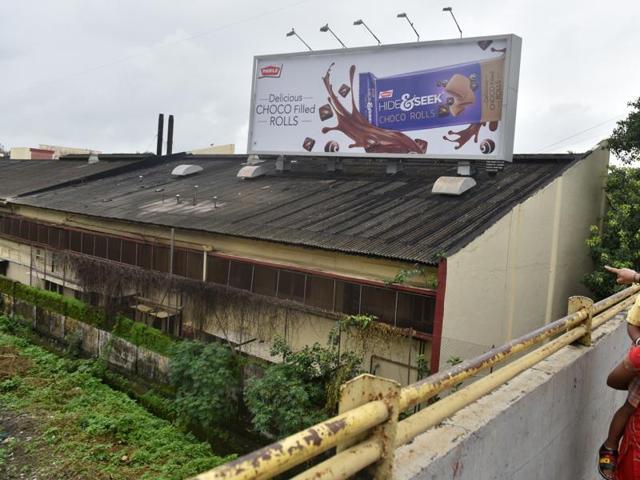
[430,280]
[135,332]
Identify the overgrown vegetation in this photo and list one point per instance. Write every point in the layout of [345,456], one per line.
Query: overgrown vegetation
[207,379]
[135,332]
[618,242]
[430,280]
[300,391]
[83,428]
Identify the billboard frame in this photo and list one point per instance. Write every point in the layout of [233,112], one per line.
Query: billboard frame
[509,105]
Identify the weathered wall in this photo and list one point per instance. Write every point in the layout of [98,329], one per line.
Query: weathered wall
[254,327]
[354,266]
[520,272]
[117,352]
[547,423]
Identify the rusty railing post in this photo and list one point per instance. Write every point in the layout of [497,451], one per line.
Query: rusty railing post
[577,303]
[366,388]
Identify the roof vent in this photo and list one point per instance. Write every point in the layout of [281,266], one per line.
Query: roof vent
[185,170]
[452,185]
[252,171]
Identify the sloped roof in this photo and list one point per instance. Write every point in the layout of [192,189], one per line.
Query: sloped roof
[19,177]
[360,210]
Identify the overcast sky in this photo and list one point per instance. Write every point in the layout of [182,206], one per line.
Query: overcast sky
[95,73]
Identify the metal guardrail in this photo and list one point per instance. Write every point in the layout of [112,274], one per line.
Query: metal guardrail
[367,430]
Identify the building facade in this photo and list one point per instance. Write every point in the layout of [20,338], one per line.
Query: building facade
[295,251]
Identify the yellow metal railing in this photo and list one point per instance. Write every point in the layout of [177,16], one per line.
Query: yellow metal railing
[367,430]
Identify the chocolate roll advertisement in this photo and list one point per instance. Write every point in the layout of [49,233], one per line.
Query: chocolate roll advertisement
[443,99]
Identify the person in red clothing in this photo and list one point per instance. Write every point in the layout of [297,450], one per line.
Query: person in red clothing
[626,376]
[628,467]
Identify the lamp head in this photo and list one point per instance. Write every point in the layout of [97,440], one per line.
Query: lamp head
[402,15]
[324,28]
[447,9]
[358,22]
[291,33]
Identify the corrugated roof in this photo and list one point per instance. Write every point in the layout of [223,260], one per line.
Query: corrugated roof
[19,177]
[360,210]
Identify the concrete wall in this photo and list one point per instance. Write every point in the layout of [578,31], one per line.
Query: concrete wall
[94,342]
[547,423]
[518,275]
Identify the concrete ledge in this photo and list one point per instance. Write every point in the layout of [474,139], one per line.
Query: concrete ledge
[547,423]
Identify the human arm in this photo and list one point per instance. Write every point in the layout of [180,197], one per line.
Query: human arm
[634,333]
[624,275]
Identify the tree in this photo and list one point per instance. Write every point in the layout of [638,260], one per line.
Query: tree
[625,140]
[618,243]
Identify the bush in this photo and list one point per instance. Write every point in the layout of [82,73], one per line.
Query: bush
[207,379]
[142,335]
[300,391]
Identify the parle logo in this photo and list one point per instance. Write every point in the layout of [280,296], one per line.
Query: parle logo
[270,71]
[385,94]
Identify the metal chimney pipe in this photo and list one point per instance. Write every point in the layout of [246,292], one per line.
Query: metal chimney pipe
[160,134]
[170,136]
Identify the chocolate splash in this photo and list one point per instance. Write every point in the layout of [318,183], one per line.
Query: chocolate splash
[355,126]
[472,131]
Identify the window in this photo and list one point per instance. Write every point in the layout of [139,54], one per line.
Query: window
[194,265]
[265,280]
[143,256]
[88,243]
[319,292]
[217,270]
[53,287]
[43,234]
[347,298]
[415,311]
[380,302]
[75,241]
[161,258]
[100,246]
[15,227]
[291,285]
[240,275]
[56,239]
[28,230]
[114,248]
[128,252]
[180,262]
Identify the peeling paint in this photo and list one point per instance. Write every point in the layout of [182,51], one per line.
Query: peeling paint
[313,437]
[336,426]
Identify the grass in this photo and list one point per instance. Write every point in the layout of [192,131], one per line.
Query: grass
[85,429]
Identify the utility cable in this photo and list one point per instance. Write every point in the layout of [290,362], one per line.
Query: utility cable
[541,150]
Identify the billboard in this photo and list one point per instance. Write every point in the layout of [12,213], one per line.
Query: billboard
[442,99]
